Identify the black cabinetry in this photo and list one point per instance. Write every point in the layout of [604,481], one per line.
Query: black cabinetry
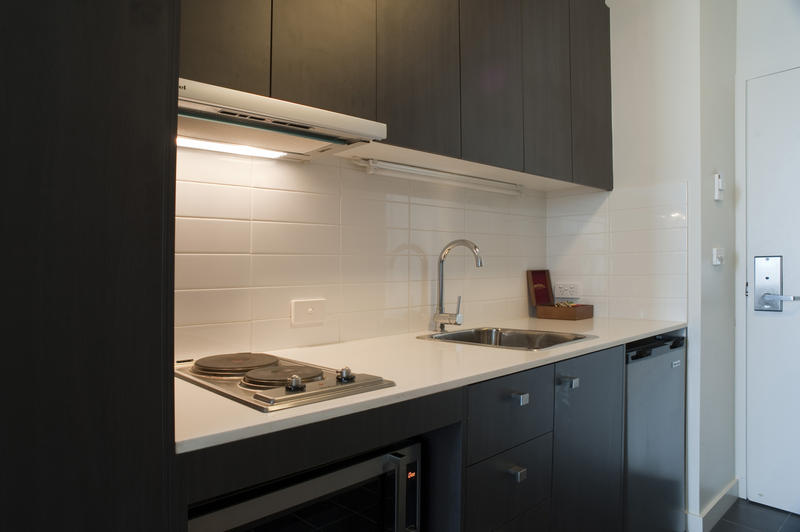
[588,442]
[491,83]
[324,54]
[418,74]
[226,43]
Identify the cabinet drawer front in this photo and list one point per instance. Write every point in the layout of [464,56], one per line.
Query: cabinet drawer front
[495,494]
[501,417]
[537,519]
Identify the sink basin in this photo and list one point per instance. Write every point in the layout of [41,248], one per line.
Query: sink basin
[507,338]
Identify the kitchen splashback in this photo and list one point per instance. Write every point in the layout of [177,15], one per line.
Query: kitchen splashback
[627,248]
[253,234]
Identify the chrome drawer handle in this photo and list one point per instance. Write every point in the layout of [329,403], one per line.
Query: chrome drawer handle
[523,398]
[519,473]
[571,382]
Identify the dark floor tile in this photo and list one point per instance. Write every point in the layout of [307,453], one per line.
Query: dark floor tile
[792,524]
[756,516]
[727,526]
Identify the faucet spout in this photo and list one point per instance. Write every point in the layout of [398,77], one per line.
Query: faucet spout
[441,318]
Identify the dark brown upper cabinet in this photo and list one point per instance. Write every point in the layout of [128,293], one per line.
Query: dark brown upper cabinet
[546,88]
[226,43]
[323,54]
[418,74]
[491,83]
[590,63]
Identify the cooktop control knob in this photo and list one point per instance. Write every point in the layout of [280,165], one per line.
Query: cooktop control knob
[345,375]
[295,384]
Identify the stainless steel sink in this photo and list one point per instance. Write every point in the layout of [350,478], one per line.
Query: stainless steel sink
[507,338]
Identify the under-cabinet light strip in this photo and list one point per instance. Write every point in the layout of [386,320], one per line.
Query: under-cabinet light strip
[428,175]
[238,149]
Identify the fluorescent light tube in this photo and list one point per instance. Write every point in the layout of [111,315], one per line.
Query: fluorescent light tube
[238,149]
[419,173]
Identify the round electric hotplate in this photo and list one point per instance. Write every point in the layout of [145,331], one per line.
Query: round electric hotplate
[232,364]
[273,376]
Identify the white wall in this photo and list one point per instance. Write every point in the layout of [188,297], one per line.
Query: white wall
[768,41]
[672,69]
[253,234]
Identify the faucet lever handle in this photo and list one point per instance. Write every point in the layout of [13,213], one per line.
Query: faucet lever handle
[459,318]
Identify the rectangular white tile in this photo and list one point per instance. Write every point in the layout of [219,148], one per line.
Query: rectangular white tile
[488,222]
[648,308]
[199,235]
[368,324]
[658,217]
[197,341]
[358,239]
[201,200]
[295,238]
[300,177]
[359,211]
[283,270]
[211,271]
[643,286]
[374,296]
[426,268]
[578,265]
[275,302]
[657,194]
[277,334]
[212,167]
[374,268]
[195,307]
[437,218]
[648,263]
[578,244]
[576,225]
[590,203]
[432,242]
[651,241]
[357,184]
[425,292]
[286,206]
[423,193]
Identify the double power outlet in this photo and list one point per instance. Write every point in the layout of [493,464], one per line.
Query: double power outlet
[567,290]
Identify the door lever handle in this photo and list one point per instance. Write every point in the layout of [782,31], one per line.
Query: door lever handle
[776,297]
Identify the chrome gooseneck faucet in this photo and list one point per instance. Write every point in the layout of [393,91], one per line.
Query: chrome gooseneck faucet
[442,318]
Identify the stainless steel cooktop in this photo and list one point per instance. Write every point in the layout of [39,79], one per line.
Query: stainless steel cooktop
[266,382]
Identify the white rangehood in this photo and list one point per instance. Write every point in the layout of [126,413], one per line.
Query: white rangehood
[217,114]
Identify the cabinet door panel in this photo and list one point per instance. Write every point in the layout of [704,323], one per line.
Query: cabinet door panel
[323,54]
[591,93]
[537,519]
[418,74]
[588,442]
[498,419]
[226,43]
[546,82]
[491,83]
[493,495]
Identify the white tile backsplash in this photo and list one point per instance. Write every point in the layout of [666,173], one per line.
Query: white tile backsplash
[627,249]
[253,234]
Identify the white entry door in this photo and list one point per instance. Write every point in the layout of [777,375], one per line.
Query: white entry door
[773,338]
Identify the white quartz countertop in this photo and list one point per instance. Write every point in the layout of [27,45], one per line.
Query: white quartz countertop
[418,367]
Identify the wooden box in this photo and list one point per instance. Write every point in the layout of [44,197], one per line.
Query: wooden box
[578,312]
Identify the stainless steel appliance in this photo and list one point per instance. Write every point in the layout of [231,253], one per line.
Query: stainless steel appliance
[655,428]
[266,382]
[379,493]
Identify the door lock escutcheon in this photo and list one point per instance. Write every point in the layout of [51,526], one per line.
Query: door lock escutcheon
[768,284]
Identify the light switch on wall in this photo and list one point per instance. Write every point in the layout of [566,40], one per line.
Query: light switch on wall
[717,256]
[307,312]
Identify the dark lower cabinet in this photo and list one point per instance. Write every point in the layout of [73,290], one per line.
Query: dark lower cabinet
[537,519]
[590,62]
[418,85]
[547,102]
[491,83]
[226,43]
[324,54]
[588,442]
[508,484]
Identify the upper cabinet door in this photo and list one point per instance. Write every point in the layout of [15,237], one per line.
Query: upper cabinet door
[323,54]
[546,82]
[226,43]
[418,74]
[491,83]
[591,93]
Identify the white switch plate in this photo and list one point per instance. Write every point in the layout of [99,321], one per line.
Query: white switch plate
[568,290]
[719,186]
[307,312]
[717,256]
